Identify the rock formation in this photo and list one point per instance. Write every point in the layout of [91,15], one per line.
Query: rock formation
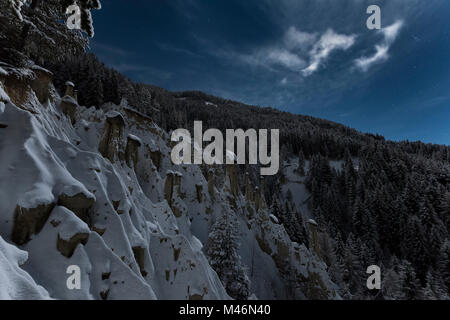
[111,140]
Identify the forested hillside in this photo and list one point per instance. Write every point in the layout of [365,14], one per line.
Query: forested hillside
[388,205]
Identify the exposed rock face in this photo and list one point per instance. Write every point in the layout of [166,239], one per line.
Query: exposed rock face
[41,85]
[132,150]
[69,108]
[294,261]
[211,183]
[70,89]
[232,176]
[139,256]
[111,141]
[199,190]
[29,221]
[262,201]
[67,247]
[17,86]
[79,204]
[313,235]
[156,158]
[172,190]
[249,196]
[257,199]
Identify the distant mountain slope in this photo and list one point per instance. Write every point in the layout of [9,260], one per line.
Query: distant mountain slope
[400,189]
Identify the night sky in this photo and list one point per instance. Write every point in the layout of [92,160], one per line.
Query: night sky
[313,57]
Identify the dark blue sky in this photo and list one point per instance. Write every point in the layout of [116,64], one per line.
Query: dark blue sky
[313,57]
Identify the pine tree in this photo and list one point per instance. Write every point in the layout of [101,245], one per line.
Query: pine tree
[16,5]
[301,164]
[410,285]
[435,288]
[443,263]
[222,252]
[40,34]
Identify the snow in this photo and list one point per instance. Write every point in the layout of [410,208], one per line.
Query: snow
[134,138]
[3,72]
[16,5]
[70,223]
[114,115]
[15,283]
[274,219]
[69,99]
[38,68]
[210,104]
[3,96]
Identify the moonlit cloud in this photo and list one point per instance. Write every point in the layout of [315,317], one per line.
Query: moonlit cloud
[299,52]
[328,42]
[381,54]
[275,58]
[298,40]
[285,58]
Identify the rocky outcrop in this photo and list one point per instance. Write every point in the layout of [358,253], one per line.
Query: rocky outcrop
[79,204]
[132,150]
[67,247]
[262,199]
[69,108]
[156,158]
[70,89]
[249,195]
[111,140]
[29,221]
[211,183]
[17,84]
[199,192]
[42,83]
[172,189]
[139,256]
[314,239]
[257,199]
[232,176]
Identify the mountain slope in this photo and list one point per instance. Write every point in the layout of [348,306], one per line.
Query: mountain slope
[96,188]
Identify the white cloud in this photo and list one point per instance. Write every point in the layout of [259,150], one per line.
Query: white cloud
[271,58]
[381,54]
[328,42]
[298,52]
[390,34]
[285,58]
[298,40]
